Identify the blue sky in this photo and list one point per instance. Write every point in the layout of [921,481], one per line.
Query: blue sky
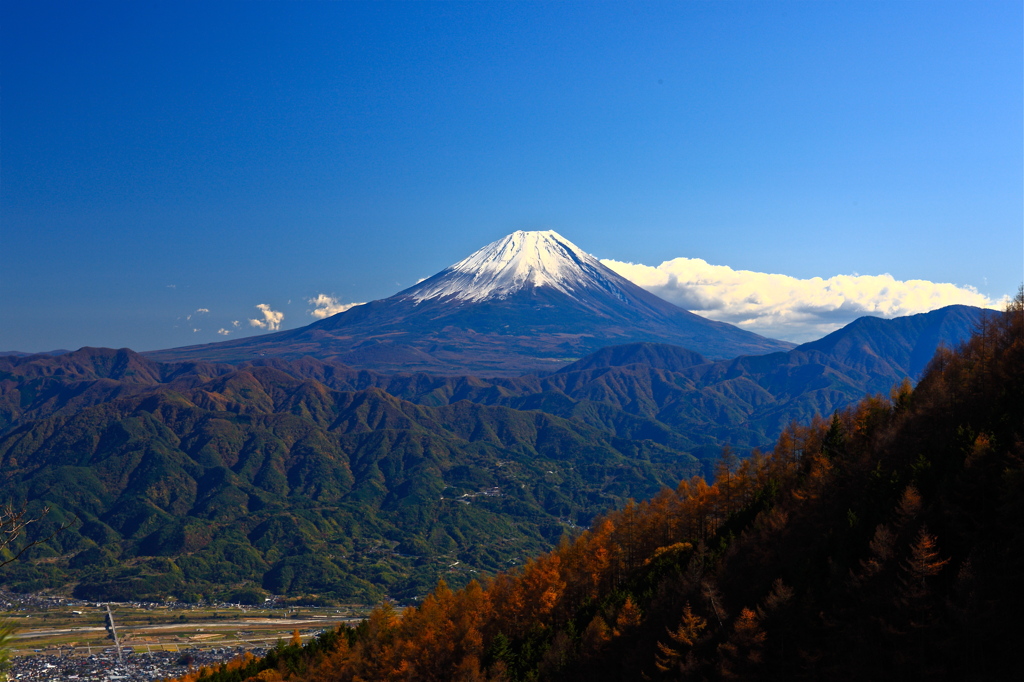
[157,159]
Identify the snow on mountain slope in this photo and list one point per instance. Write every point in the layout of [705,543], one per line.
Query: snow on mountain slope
[520,261]
[531,301]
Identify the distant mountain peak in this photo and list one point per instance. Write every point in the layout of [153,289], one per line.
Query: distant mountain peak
[517,262]
[529,302]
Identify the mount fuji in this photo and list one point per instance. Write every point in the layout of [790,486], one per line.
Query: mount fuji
[529,302]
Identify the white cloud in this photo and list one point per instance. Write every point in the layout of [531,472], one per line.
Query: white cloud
[235,323]
[203,310]
[325,306]
[223,332]
[785,307]
[271,318]
[194,330]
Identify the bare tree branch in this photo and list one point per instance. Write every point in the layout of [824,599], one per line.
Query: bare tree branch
[14,521]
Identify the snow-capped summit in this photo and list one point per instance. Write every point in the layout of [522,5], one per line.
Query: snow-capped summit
[529,302]
[520,261]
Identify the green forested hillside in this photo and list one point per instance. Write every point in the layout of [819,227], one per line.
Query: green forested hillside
[255,478]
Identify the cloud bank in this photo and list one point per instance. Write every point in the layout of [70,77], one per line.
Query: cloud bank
[325,306]
[784,307]
[271,318]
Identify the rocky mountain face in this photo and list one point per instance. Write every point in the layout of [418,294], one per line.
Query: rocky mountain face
[530,302]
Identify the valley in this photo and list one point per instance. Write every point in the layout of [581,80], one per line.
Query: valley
[59,636]
[174,627]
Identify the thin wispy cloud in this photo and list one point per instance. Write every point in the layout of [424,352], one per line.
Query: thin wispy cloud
[271,318]
[790,308]
[325,306]
[202,310]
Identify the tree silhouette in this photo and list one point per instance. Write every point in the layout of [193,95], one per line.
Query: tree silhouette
[14,523]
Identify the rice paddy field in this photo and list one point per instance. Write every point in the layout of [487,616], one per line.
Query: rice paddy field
[58,625]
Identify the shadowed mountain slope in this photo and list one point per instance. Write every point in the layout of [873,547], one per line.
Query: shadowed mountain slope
[903,345]
[746,401]
[659,355]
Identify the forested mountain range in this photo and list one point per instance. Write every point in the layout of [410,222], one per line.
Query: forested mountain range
[885,543]
[620,388]
[310,477]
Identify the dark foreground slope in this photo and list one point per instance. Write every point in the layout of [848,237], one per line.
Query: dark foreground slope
[886,544]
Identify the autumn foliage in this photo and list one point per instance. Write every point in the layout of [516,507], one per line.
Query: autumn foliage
[882,543]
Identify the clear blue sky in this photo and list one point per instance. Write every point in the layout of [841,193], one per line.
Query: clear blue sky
[159,158]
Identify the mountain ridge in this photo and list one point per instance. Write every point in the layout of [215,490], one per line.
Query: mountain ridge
[664,387]
[910,340]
